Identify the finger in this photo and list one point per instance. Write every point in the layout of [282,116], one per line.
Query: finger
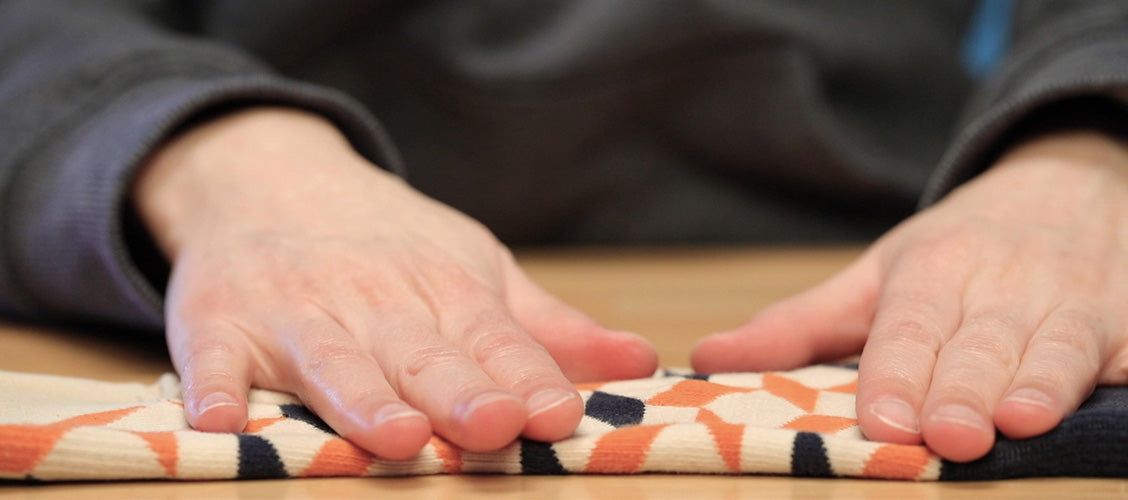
[585,350]
[918,311]
[436,376]
[827,322]
[214,375]
[346,387]
[516,362]
[1058,371]
[972,371]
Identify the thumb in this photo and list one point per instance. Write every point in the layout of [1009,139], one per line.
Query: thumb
[585,350]
[213,375]
[829,321]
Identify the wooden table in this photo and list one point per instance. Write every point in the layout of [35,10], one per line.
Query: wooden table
[673,296]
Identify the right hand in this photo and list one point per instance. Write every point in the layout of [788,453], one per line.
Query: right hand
[997,310]
[298,266]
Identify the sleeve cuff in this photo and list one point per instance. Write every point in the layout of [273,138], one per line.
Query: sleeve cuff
[77,199]
[1084,83]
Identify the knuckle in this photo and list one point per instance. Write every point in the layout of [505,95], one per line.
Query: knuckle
[492,334]
[959,391]
[1065,337]
[505,351]
[210,352]
[498,345]
[1046,376]
[1072,333]
[989,337]
[978,348]
[1072,324]
[902,380]
[518,362]
[325,357]
[914,334]
[430,357]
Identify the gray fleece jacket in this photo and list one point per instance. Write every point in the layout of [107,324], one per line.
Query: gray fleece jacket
[549,121]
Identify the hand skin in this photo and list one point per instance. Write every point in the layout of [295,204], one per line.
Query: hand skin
[299,266]
[1001,307]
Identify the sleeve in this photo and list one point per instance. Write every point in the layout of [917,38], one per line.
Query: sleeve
[87,89]
[1067,63]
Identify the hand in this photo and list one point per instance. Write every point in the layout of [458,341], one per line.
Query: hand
[1000,307]
[298,266]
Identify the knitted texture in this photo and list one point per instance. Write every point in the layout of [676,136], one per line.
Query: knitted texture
[800,423]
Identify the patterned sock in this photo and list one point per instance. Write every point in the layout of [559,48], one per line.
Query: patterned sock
[800,423]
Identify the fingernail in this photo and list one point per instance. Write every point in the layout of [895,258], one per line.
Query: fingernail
[959,414]
[466,409]
[216,400]
[546,400]
[1031,397]
[395,412]
[897,414]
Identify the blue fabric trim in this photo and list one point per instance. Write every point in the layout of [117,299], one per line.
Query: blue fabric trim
[988,36]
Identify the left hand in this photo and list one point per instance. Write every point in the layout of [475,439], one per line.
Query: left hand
[1001,307]
[298,266]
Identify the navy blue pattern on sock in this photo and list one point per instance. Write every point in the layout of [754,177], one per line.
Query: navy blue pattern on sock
[539,458]
[808,456]
[299,412]
[258,459]
[616,410]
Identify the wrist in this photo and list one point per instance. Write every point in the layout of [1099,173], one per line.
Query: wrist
[240,166]
[1084,148]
